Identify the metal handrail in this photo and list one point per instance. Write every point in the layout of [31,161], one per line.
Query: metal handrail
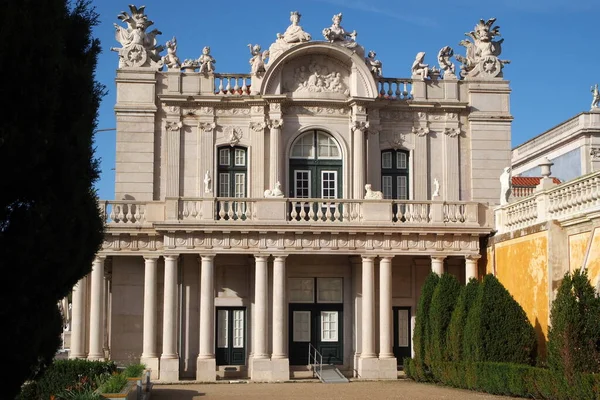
[316,357]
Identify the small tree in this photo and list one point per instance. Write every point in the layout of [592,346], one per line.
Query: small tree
[574,335]
[422,330]
[456,329]
[497,328]
[442,305]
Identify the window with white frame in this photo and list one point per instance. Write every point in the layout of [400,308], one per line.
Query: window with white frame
[232,172]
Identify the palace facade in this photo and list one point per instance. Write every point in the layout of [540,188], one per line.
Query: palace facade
[298,206]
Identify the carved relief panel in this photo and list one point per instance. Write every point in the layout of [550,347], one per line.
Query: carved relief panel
[316,76]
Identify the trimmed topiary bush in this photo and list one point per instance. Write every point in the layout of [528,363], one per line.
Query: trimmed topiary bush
[442,305]
[422,330]
[456,329]
[497,328]
[574,335]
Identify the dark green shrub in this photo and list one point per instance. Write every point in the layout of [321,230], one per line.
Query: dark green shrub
[574,335]
[65,375]
[134,370]
[442,305]
[456,329]
[422,330]
[113,384]
[497,328]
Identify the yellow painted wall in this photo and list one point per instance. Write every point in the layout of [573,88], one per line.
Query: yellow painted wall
[522,267]
[577,248]
[593,260]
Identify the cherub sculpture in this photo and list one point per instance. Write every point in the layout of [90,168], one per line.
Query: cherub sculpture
[482,51]
[258,59]
[171,60]
[596,96]
[419,68]
[374,65]
[444,56]
[206,61]
[140,48]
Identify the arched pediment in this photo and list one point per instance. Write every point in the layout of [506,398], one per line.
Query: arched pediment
[319,70]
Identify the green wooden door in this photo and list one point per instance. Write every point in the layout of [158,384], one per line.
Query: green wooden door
[230,336]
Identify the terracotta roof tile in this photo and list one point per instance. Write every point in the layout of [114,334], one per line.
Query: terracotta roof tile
[530,180]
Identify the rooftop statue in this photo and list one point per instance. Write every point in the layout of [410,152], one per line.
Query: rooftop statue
[140,48]
[257,61]
[482,52]
[596,96]
[419,68]
[338,35]
[505,185]
[294,34]
[171,60]
[206,61]
[374,65]
[444,56]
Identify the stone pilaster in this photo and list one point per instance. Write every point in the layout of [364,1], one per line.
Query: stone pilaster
[374,151]
[96,310]
[450,190]
[206,128]
[358,126]
[257,138]
[173,135]
[150,355]
[206,364]
[275,153]
[421,162]
[77,349]
[169,359]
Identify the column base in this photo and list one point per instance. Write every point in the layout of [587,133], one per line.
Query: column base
[152,363]
[376,368]
[206,369]
[169,369]
[280,369]
[95,357]
[260,369]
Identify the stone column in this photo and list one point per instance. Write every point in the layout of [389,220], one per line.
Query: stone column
[437,264]
[96,307]
[78,321]
[275,159]
[421,155]
[149,350]
[169,359]
[368,365]
[279,358]
[358,171]
[387,361]
[261,365]
[470,268]
[206,363]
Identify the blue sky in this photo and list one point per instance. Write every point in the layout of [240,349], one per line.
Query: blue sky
[553,45]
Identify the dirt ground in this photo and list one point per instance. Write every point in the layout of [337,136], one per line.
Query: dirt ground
[401,389]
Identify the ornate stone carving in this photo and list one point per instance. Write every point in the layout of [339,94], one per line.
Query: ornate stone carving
[447,66]
[235,135]
[595,153]
[275,123]
[173,126]
[397,141]
[423,71]
[372,194]
[451,117]
[362,126]
[313,110]
[318,79]
[189,65]
[275,107]
[595,96]
[482,53]
[505,185]
[171,60]
[258,126]
[420,130]
[374,65]
[338,35]
[207,182]
[452,132]
[397,115]
[140,48]
[293,34]
[275,192]
[258,59]
[207,126]
[206,61]
[233,111]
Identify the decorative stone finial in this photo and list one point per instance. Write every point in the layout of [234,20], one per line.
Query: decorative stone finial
[140,48]
[338,35]
[505,185]
[372,194]
[546,168]
[482,53]
[206,61]
[595,97]
[374,65]
[447,66]
[171,60]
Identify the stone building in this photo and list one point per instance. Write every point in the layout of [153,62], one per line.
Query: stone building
[298,206]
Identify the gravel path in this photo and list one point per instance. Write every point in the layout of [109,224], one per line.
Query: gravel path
[401,389]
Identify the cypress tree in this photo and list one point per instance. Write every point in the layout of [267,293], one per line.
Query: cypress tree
[422,332]
[574,335]
[50,228]
[456,329]
[443,302]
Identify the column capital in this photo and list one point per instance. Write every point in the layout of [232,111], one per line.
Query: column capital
[171,257]
[368,257]
[99,258]
[149,257]
[473,257]
[207,257]
[438,258]
[261,257]
[386,258]
[280,257]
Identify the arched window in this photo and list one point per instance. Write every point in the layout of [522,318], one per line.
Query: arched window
[394,174]
[232,171]
[315,166]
